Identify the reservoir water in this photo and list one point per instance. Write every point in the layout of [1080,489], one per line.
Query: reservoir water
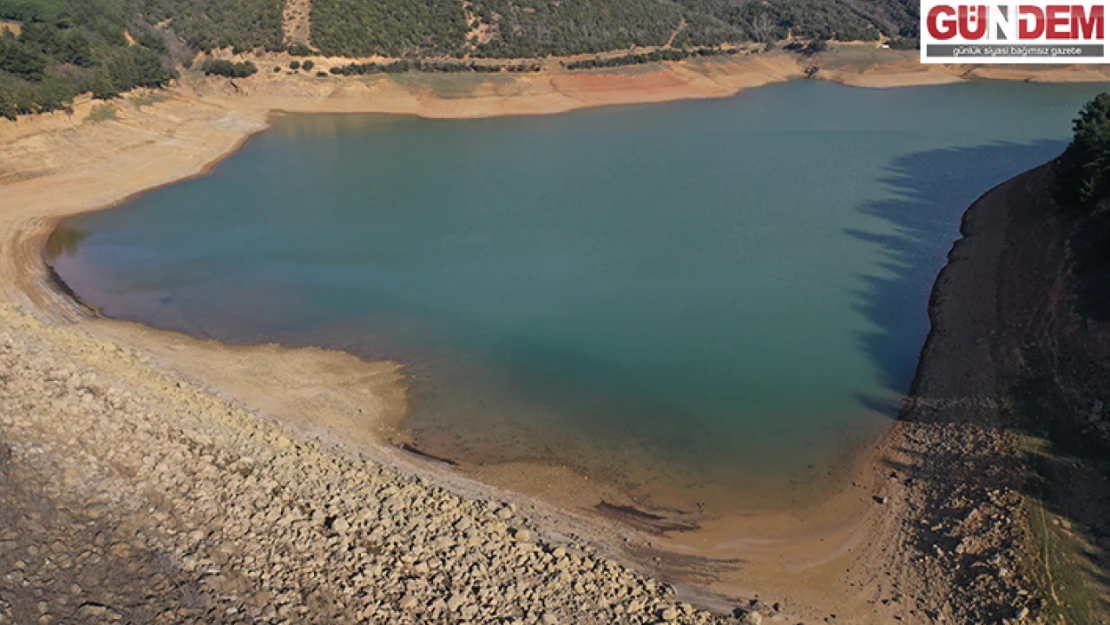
[696,301]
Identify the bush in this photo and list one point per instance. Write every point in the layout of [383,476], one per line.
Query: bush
[430,67]
[294,65]
[308,65]
[221,67]
[902,43]
[297,49]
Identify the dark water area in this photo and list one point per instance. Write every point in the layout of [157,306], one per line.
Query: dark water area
[699,297]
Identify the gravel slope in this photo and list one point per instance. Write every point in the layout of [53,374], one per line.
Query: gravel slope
[130,496]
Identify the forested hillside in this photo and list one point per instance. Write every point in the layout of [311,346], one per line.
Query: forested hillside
[67,47]
[208,24]
[538,27]
[388,27]
[533,28]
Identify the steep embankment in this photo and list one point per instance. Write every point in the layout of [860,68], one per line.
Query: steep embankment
[1053,353]
[954,460]
[1002,442]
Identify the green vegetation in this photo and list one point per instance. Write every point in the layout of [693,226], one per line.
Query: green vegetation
[220,67]
[534,28]
[388,27]
[107,47]
[1055,556]
[814,46]
[529,28]
[1066,465]
[210,24]
[147,100]
[538,28]
[1083,170]
[69,47]
[297,49]
[102,113]
[431,67]
[667,54]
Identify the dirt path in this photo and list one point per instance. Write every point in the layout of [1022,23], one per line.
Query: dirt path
[296,21]
[680,28]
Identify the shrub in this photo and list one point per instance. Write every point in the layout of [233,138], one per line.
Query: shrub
[308,65]
[297,49]
[102,113]
[221,67]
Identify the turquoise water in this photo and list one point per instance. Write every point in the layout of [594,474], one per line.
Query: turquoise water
[711,297]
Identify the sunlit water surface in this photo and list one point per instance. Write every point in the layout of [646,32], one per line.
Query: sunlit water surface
[714,299]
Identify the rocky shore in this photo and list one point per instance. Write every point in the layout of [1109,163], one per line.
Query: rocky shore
[133,497]
[951,457]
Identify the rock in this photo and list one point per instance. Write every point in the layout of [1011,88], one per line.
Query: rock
[93,611]
[341,526]
[407,602]
[752,618]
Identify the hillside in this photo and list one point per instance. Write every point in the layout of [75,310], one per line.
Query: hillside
[54,50]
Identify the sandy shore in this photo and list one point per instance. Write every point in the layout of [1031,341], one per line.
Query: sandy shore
[848,555]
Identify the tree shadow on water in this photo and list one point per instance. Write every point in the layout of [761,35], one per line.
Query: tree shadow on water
[929,192]
[1045,383]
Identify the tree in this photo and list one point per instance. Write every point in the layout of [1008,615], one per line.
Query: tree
[21,60]
[761,28]
[1083,170]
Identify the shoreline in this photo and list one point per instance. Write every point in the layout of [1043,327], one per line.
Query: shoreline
[216,123]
